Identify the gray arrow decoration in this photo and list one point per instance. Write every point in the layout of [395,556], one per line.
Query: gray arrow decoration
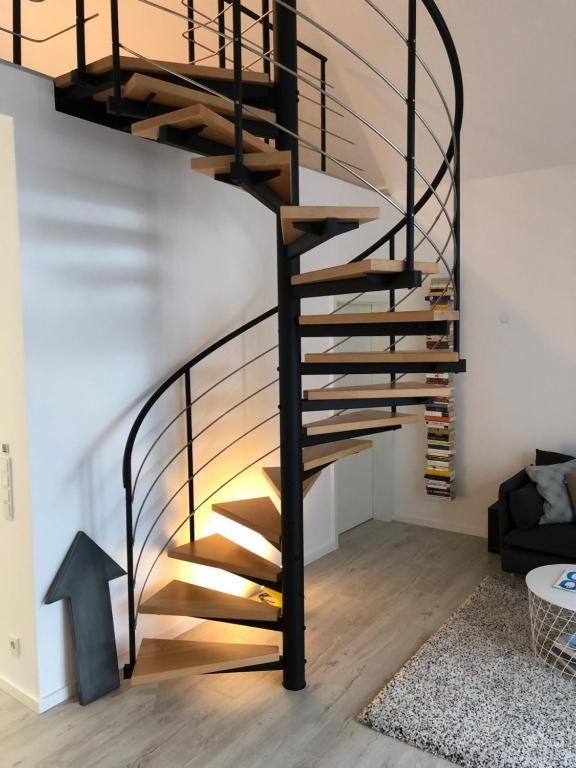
[82,579]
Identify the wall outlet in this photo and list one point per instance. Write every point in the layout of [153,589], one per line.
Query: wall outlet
[14,645]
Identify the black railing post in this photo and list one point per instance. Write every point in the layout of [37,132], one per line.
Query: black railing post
[411,135]
[266,35]
[130,572]
[80,37]
[286,53]
[392,295]
[238,82]
[191,33]
[221,34]
[323,116]
[189,451]
[115,28]
[456,274]
[17,29]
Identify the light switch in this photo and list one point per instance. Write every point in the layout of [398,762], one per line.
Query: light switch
[6,487]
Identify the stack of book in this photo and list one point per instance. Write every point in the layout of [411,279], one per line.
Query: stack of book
[563,653]
[439,414]
[441,293]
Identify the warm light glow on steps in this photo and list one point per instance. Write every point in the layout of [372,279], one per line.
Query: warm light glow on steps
[241,535]
[221,581]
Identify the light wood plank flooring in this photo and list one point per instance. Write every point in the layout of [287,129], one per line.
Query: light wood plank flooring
[370,605]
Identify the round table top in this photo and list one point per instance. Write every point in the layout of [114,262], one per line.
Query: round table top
[541,582]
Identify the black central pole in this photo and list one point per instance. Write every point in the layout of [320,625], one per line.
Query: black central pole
[238,83]
[17,29]
[221,35]
[191,32]
[285,46]
[266,35]
[115,32]
[80,37]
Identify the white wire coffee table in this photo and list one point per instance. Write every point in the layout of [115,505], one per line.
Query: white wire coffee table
[553,618]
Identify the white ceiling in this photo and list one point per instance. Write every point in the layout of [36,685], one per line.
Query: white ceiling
[519,65]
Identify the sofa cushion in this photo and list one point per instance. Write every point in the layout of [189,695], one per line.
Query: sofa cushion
[544,458]
[559,540]
[571,486]
[551,483]
[526,506]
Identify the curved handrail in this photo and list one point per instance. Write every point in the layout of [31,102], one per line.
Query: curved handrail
[157,394]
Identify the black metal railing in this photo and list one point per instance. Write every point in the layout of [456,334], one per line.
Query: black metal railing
[18,36]
[179,377]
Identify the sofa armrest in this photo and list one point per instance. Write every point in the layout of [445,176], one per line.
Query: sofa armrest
[513,484]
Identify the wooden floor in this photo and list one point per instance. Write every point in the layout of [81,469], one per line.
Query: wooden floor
[369,607]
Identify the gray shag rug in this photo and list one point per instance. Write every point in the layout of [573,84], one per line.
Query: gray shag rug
[476,695]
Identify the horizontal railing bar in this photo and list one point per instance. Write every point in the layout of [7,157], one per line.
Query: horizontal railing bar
[177,375]
[295,74]
[347,47]
[319,104]
[302,45]
[210,20]
[387,20]
[325,130]
[196,400]
[186,34]
[201,468]
[29,39]
[205,25]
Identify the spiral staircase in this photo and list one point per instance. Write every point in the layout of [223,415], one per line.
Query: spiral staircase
[242,124]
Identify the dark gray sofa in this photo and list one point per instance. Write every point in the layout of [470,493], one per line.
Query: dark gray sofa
[530,546]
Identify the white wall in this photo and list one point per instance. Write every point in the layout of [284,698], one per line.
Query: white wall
[519,337]
[18,676]
[518,266]
[130,265]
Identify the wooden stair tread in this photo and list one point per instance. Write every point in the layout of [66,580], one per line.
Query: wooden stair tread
[276,160]
[140,87]
[217,128]
[364,391]
[291,214]
[425,356]
[367,419]
[380,317]
[259,515]
[272,474]
[194,71]
[167,659]
[320,455]
[219,552]
[178,598]
[362,269]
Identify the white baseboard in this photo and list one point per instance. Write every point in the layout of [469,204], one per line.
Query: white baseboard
[470,530]
[319,552]
[56,697]
[18,693]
